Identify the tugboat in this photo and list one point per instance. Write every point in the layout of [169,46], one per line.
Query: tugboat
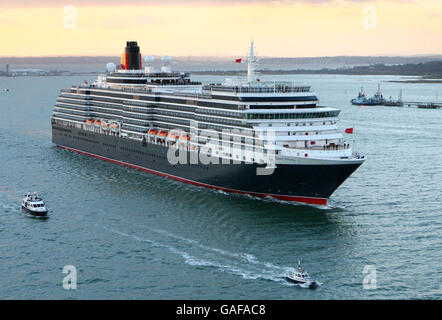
[376,100]
[34,205]
[361,99]
[302,277]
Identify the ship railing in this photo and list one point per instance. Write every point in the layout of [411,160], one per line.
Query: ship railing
[275,88]
[345,146]
[127,75]
[193,95]
[143,74]
[74,96]
[137,103]
[177,83]
[149,90]
[358,155]
[167,75]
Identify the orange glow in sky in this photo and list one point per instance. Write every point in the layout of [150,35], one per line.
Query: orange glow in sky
[287,28]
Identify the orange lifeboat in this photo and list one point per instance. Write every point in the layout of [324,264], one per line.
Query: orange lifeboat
[97,122]
[172,136]
[162,134]
[105,125]
[152,132]
[114,126]
[185,137]
[90,121]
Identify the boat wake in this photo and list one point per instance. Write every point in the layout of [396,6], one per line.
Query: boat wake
[6,207]
[196,254]
[306,285]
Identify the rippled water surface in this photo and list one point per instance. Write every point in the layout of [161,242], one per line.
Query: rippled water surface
[135,235]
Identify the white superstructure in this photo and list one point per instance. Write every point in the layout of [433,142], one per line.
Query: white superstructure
[287,125]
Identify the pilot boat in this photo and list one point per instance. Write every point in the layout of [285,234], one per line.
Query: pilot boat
[34,205]
[301,277]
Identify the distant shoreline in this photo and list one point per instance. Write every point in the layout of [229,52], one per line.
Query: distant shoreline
[428,72]
[422,79]
[429,67]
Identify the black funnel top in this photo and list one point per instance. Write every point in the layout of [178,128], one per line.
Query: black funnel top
[133,55]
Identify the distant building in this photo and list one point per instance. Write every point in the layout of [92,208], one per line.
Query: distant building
[7,70]
[28,72]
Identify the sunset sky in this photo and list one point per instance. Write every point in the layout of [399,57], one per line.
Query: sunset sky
[287,28]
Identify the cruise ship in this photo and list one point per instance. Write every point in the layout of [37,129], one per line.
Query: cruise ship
[245,135]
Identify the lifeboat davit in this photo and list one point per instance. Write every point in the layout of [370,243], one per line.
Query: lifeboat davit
[114,127]
[185,137]
[152,132]
[172,136]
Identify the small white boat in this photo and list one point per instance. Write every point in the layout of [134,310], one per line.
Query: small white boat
[301,277]
[34,205]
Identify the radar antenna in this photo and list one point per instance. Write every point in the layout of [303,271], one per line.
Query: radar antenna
[252,61]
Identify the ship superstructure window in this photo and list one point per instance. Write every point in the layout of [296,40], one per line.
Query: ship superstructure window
[221,113]
[272,106]
[281,116]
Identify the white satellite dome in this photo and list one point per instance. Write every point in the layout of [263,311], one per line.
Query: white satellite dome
[111,67]
[149,59]
[165,59]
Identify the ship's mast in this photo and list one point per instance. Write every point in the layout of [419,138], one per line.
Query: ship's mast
[252,60]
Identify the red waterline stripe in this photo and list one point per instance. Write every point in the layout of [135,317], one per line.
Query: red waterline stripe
[309,200]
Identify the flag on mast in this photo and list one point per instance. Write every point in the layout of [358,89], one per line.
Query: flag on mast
[349,130]
[238,60]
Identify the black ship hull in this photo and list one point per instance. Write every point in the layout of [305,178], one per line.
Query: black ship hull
[311,284]
[34,213]
[301,183]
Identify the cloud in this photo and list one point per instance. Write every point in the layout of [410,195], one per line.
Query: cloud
[434,15]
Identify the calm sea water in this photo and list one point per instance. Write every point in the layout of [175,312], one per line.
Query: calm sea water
[135,235]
